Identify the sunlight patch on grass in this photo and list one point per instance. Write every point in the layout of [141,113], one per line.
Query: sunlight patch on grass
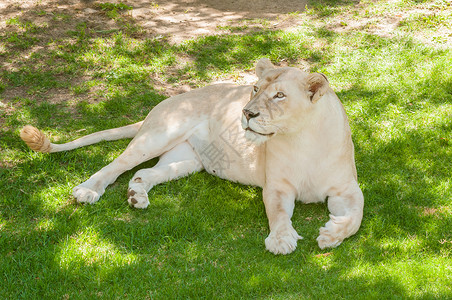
[410,244]
[54,195]
[269,276]
[45,224]
[444,188]
[412,277]
[87,249]
[193,251]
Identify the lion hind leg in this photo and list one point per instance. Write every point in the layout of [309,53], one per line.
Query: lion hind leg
[345,218]
[178,162]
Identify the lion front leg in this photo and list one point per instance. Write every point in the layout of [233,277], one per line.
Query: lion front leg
[346,207]
[279,207]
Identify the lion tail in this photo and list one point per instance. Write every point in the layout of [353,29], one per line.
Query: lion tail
[37,140]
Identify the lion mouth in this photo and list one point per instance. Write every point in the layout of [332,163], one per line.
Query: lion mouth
[263,134]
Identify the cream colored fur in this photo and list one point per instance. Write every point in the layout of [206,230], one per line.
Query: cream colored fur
[291,137]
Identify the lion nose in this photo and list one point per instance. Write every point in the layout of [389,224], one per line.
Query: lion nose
[249,114]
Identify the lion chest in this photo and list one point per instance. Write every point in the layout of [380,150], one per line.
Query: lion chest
[225,152]
[306,173]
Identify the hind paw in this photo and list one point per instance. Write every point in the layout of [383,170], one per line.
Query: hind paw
[137,197]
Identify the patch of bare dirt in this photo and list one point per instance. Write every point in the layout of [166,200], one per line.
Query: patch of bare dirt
[176,21]
[185,19]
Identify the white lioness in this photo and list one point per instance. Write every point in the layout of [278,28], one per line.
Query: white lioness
[292,139]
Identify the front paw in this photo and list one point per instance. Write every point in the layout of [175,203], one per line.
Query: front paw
[137,197]
[333,233]
[282,240]
[84,194]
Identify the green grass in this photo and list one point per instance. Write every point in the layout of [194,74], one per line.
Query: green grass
[202,237]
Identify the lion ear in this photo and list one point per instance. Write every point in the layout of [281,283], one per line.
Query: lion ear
[262,66]
[317,85]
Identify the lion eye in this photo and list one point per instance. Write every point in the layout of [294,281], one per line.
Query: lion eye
[256,89]
[280,95]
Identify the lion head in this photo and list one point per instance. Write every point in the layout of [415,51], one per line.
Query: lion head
[281,101]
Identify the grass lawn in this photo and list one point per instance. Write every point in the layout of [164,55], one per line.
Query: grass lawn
[202,237]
